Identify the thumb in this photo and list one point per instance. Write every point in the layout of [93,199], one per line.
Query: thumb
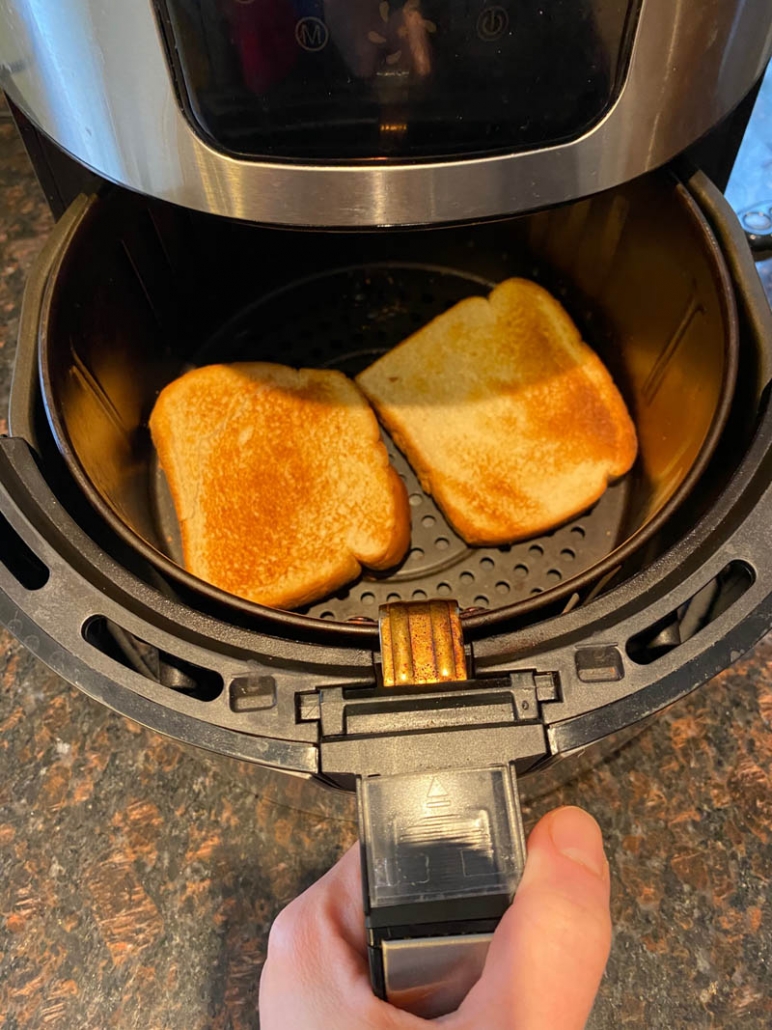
[549,951]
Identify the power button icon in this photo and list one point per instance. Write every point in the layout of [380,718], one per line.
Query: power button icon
[492,23]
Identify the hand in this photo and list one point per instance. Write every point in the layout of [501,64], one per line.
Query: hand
[543,968]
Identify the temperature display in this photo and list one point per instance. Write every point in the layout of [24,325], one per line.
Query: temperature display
[358,79]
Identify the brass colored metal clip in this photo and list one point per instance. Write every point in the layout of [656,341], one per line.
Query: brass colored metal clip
[421,643]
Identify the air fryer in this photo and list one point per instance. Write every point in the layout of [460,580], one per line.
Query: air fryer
[318,227]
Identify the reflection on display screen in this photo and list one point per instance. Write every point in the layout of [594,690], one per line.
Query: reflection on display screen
[353,79]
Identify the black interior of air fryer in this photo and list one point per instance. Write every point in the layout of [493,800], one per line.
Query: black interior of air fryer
[165,288]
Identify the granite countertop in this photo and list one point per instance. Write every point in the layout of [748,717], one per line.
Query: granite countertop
[138,881]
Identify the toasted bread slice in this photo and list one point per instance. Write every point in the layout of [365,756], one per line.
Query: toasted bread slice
[510,421]
[281,484]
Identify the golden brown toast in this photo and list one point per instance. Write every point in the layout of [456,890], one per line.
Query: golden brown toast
[281,484]
[510,421]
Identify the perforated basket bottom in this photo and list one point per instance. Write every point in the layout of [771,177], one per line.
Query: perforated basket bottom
[346,319]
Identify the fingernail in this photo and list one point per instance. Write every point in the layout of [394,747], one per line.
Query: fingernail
[577,836]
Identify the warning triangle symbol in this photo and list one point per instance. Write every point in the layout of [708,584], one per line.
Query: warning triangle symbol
[436,790]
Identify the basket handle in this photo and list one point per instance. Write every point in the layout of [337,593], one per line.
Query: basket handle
[442,849]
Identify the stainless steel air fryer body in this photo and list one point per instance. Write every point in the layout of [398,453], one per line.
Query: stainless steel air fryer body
[358,113]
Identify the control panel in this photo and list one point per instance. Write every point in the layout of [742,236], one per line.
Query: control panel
[403,79]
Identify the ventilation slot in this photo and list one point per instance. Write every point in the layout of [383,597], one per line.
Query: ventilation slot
[23,564]
[166,670]
[695,615]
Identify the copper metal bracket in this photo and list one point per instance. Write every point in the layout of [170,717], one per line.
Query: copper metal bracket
[421,643]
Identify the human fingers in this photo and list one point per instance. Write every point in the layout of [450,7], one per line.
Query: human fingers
[549,951]
[316,974]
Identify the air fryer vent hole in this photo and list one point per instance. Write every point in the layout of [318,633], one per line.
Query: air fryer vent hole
[169,671]
[714,599]
[22,562]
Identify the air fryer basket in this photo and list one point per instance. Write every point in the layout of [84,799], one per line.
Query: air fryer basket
[638,269]
[301,694]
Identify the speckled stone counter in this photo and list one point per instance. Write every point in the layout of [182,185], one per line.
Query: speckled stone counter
[138,881]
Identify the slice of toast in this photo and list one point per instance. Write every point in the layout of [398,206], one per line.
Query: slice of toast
[510,421]
[281,484]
